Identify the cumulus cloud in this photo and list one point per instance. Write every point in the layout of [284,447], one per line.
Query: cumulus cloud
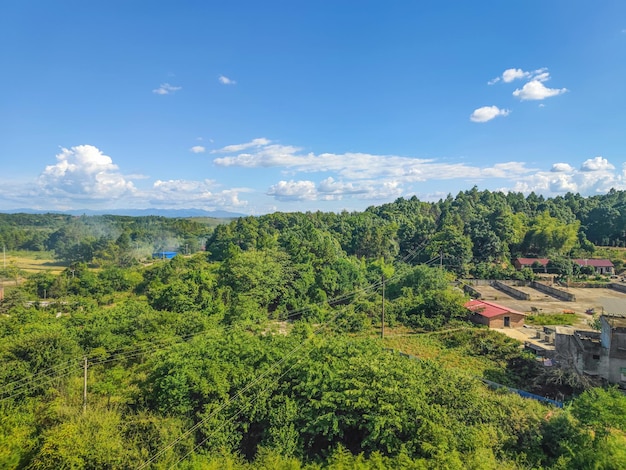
[562,183]
[487,113]
[562,168]
[83,177]
[331,190]
[596,164]
[510,75]
[224,80]
[536,90]
[166,89]
[355,175]
[197,149]
[84,172]
[595,176]
[351,166]
[293,191]
[191,193]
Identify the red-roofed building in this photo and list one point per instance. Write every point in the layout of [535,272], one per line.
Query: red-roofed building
[601,266]
[520,263]
[494,315]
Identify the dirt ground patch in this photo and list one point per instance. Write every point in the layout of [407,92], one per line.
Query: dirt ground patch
[600,300]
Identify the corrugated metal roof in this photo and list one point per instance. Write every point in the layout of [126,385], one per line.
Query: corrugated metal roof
[596,263]
[489,309]
[531,261]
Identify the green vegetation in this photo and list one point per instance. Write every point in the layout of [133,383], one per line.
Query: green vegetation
[551,319]
[264,351]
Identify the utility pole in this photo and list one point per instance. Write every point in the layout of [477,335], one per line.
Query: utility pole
[85,386]
[441,259]
[382,330]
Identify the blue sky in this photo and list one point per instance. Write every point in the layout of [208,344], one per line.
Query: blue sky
[254,107]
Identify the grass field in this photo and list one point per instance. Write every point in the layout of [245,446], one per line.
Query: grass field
[551,319]
[428,346]
[28,262]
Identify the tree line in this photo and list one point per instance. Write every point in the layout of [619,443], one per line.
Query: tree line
[475,227]
[262,350]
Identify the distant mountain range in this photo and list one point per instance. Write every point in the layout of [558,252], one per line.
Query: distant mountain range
[171,213]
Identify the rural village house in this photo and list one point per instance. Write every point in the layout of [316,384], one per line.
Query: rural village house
[494,315]
[600,266]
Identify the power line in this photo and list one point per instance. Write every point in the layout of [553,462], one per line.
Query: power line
[274,366]
[150,347]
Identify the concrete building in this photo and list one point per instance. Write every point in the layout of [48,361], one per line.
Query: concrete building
[600,266]
[494,315]
[599,354]
[538,263]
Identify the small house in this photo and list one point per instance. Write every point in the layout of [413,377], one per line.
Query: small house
[494,315]
[532,263]
[600,266]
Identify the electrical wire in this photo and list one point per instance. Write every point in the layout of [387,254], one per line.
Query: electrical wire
[151,347]
[274,366]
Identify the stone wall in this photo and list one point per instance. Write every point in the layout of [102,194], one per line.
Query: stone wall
[618,287]
[553,291]
[512,291]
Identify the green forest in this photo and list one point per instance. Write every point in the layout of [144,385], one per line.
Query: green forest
[261,345]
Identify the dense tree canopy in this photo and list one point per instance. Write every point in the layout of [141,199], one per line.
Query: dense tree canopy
[263,350]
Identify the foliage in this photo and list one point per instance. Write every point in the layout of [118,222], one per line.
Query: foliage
[263,353]
[551,319]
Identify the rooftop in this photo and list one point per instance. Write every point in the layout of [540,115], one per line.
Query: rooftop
[489,309]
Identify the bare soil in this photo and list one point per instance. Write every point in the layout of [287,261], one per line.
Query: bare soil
[600,300]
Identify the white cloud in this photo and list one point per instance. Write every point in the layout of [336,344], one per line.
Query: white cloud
[353,167]
[166,89]
[84,172]
[595,176]
[293,191]
[562,183]
[331,190]
[190,193]
[239,147]
[85,178]
[513,74]
[487,113]
[504,170]
[197,149]
[596,164]
[224,80]
[562,168]
[536,90]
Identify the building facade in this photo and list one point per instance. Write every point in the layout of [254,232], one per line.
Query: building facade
[595,354]
[494,315]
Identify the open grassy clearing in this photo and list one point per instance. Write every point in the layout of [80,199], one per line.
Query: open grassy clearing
[552,319]
[31,262]
[429,346]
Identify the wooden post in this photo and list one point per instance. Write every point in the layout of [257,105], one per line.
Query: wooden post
[382,330]
[85,386]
